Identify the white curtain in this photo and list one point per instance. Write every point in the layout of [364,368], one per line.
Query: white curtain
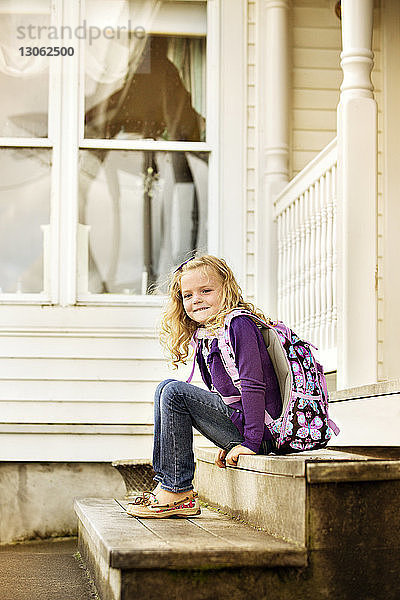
[188,55]
[12,63]
[107,61]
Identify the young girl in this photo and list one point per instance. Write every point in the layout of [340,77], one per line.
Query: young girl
[203,291]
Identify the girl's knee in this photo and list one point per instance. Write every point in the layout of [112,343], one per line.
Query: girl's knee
[171,390]
[161,386]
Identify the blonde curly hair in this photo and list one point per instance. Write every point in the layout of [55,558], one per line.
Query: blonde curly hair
[177,328]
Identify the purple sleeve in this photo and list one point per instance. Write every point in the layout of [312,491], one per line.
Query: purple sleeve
[246,340]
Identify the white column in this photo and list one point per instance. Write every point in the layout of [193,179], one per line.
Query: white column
[357,197]
[274,141]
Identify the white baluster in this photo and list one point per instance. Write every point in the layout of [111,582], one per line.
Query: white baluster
[329,257]
[297,225]
[291,267]
[285,266]
[307,265]
[302,263]
[323,261]
[279,226]
[317,199]
[312,262]
[334,258]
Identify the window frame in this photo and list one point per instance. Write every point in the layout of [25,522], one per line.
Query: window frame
[49,294]
[63,261]
[208,146]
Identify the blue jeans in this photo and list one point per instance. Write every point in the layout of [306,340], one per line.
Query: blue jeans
[178,407]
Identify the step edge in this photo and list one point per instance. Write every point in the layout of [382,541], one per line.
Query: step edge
[172,559]
[346,471]
[91,532]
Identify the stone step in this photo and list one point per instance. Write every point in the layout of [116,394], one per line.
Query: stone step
[199,557]
[342,505]
[279,493]
[331,529]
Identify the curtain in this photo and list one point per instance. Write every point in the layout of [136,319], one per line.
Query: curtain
[188,55]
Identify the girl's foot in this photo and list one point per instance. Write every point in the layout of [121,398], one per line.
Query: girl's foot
[157,489]
[166,497]
[188,507]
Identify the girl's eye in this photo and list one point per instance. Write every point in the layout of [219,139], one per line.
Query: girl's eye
[186,296]
[207,291]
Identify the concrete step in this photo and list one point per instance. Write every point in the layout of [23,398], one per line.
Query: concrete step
[208,556]
[255,488]
[374,408]
[342,504]
[330,529]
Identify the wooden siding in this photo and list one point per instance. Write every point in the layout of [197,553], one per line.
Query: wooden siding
[316,79]
[78,383]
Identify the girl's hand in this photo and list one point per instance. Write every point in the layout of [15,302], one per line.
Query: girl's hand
[233,454]
[220,460]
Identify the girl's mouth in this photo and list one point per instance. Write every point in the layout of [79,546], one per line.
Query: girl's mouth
[202,308]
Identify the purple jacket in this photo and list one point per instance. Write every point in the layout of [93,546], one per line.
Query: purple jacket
[260,388]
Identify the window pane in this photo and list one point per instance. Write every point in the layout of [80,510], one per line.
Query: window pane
[145,70]
[24,80]
[147,211]
[24,208]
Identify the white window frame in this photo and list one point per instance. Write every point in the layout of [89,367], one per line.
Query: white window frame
[77,142]
[65,139]
[50,292]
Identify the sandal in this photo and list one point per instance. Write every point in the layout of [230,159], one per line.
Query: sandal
[151,509]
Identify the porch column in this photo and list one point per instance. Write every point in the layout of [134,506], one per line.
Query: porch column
[274,141]
[357,198]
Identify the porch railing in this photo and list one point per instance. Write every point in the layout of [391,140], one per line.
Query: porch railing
[305,212]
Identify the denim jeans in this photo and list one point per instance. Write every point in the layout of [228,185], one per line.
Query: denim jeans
[178,407]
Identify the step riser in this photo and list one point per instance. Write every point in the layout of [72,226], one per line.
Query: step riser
[339,573]
[237,492]
[347,501]
[107,579]
[359,515]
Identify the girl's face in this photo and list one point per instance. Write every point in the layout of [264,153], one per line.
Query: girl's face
[201,292]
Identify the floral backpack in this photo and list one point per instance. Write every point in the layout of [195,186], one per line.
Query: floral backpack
[304,423]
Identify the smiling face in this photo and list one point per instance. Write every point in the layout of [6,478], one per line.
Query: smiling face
[201,291]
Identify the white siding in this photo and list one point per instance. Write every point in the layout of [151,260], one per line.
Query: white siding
[67,374]
[77,383]
[316,79]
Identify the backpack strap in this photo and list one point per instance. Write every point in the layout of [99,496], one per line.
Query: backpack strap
[225,346]
[194,342]
[228,358]
[228,355]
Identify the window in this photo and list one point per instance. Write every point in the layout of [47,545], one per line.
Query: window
[105,150]
[26,152]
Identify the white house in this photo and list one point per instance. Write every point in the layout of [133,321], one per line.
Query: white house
[136,131]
